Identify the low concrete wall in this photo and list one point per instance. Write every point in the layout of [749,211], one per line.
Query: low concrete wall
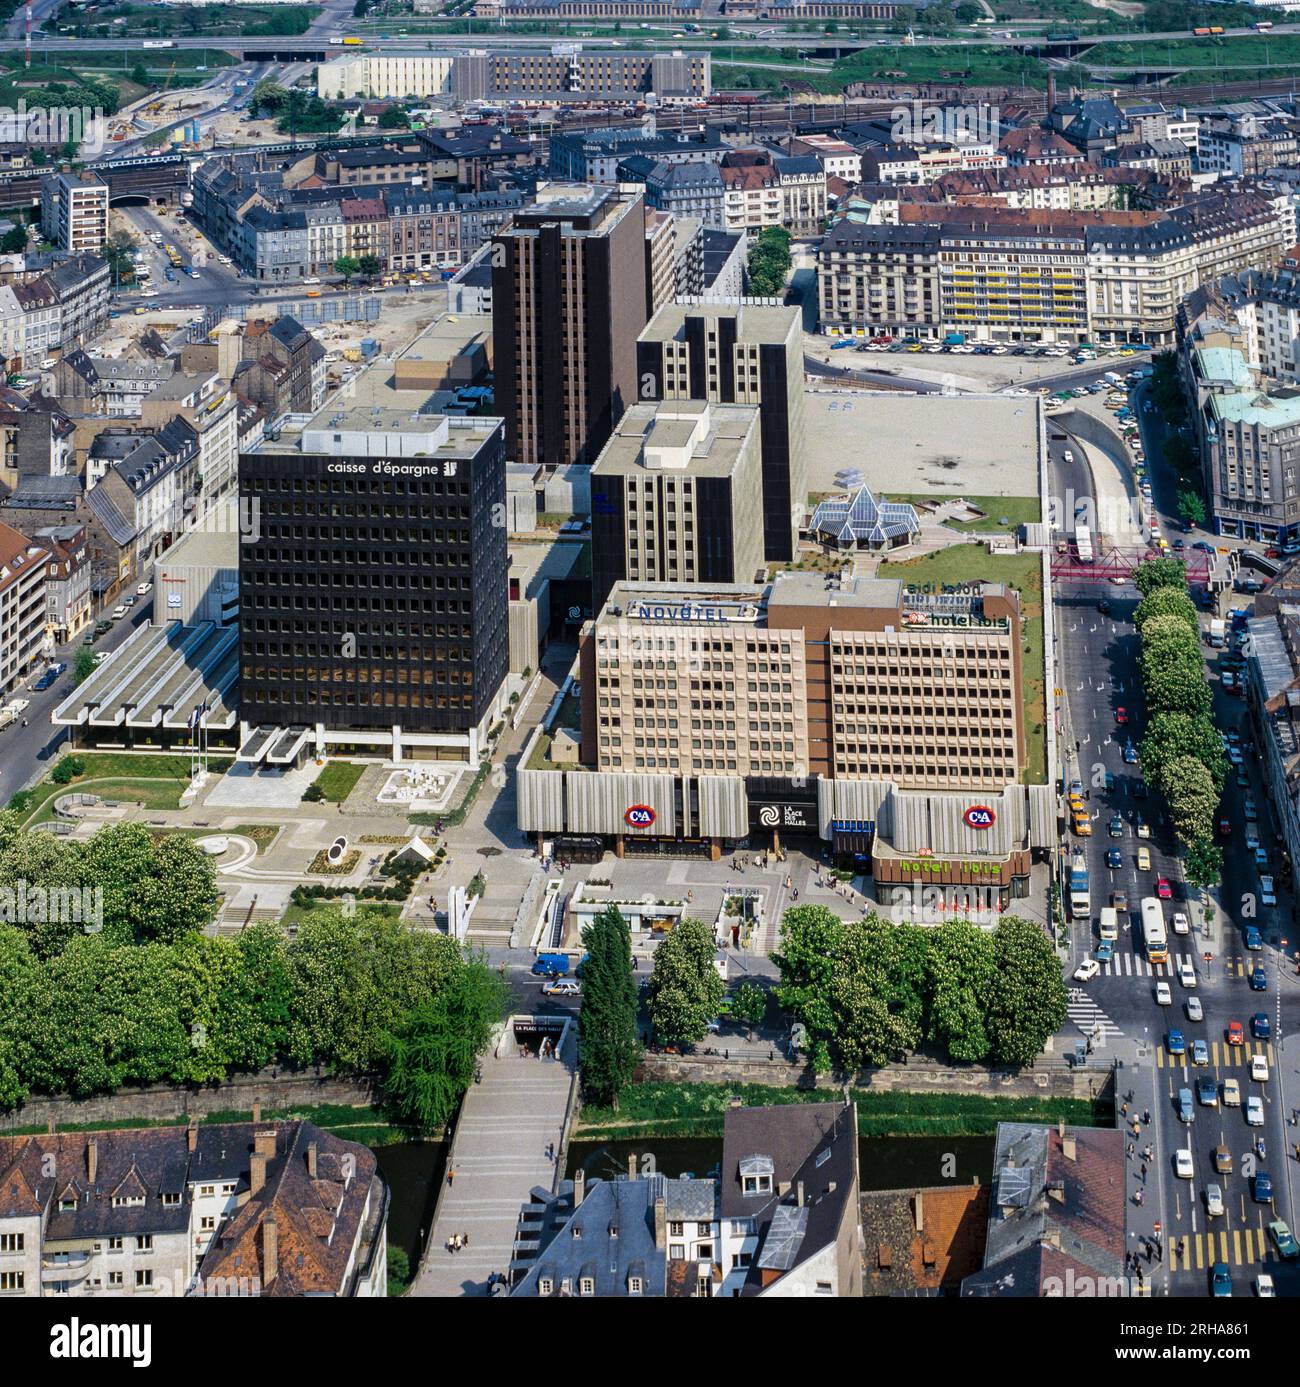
[271,1088]
[1046,1081]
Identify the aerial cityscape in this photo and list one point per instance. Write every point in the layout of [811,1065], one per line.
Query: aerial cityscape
[650,649]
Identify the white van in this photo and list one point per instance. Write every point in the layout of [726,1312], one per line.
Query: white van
[1108,927]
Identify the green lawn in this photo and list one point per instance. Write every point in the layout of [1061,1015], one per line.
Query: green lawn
[119,775]
[1016,510]
[699,1109]
[966,563]
[569,716]
[339,779]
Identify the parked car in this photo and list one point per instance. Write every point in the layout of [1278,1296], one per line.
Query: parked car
[119,611]
[563,988]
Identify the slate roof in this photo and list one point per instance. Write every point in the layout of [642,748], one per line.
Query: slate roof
[815,1143]
[44,493]
[1058,1204]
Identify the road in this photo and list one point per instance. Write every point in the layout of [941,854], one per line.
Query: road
[25,751]
[1098,663]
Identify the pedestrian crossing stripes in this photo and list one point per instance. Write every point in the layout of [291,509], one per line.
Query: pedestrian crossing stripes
[1136,966]
[1222,1055]
[1239,1247]
[1091,1020]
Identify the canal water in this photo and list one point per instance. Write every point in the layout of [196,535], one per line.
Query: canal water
[414,1172]
[885,1163]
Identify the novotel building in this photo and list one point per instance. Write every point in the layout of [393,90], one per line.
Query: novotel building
[373,587]
[885,720]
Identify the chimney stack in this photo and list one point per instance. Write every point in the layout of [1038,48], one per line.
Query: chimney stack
[264,1142]
[192,1137]
[631,1165]
[257,1111]
[798,1194]
[256,1172]
[92,1159]
[661,1222]
[579,1187]
[270,1251]
[311,1159]
[1069,1149]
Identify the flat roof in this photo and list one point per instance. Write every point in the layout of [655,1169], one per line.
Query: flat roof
[1257,408]
[347,429]
[755,322]
[709,439]
[535,563]
[821,590]
[447,336]
[923,445]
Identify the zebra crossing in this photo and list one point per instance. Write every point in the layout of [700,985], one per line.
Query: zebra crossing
[1222,1055]
[1091,1020]
[1239,1247]
[1129,965]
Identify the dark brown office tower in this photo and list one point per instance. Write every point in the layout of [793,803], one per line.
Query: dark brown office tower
[568,300]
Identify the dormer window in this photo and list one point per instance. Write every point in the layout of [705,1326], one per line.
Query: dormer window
[587,1286]
[756,1175]
[545,1286]
[634,1285]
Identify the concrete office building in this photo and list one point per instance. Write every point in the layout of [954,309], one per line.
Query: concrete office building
[568,299]
[749,354]
[676,497]
[373,599]
[863,712]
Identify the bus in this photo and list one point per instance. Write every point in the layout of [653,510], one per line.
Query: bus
[1153,931]
[1083,543]
[1263,26]
[1080,901]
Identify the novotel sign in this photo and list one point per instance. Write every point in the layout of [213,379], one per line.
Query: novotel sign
[639,816]
[691,611]
[979,816]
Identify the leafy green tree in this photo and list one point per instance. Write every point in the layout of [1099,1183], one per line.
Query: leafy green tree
[43,861]
[83,664]
[153,889]
[812,938]
[1167,601]
[268,97]
[1170,736]
[394,118]
[14,241]
[685,990]
[1027,995]
[20,996]
[1160,573]
[257,1003]
[368,265]
[1174,685]
[1180,457]
[869,1029]
[749,1005]
[1191,505]
[1203,864]
[1193,800]
[609,1047]
[140,75]
[431,1056]
[347,266]
[1169,635]
[961,965]
[119,251]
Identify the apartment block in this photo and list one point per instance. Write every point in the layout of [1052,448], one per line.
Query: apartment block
[74,212]
[22,606]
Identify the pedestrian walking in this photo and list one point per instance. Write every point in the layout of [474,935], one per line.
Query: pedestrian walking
[1128,1151]
[1123,1112]
[451,1176]
[1146,1116]
[1144,1172]
[464,1239]
[1160,1251]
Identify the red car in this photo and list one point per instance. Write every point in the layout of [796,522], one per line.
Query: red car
[1121,716]
[1163,889]
[1225,827]
[1236,1036]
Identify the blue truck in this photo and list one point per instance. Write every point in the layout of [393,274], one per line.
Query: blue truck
[551,965]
